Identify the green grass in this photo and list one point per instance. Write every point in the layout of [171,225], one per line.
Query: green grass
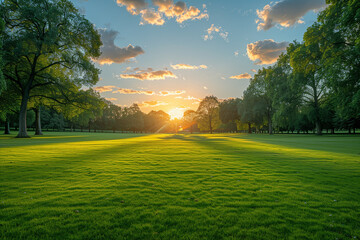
[128,186]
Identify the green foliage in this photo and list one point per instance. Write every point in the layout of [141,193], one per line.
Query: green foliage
[208,114]
[155,120]
[228,110]
[49,46]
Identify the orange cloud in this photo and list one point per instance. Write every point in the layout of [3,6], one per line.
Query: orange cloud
[102,89]
[152,103]
[266,51]
[154,75]
[111,99]
[133,6]
[166,8]
[168,93]
[187,66]
[241,76]
[131,91]
[151,17]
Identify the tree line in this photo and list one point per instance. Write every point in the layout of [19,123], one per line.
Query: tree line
[46,61]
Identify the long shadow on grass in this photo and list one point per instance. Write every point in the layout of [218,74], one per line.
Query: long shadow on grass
[344,144]
[306,166]
[11,141]
[56,166]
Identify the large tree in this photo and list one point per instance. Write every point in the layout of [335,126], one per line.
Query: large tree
[189,120]
[305,59]
[337,33]
[48,43]
[208,113]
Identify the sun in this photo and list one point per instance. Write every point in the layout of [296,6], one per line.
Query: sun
[176,113]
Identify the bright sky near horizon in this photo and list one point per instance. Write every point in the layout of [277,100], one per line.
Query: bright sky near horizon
[164,54]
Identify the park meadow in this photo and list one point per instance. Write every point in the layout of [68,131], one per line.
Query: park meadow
[162,119]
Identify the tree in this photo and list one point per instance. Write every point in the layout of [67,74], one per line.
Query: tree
[189,120]
[306,60]
[2,79]
[229,114]
[208,113]
[155,120]
[48,43]
[286,94]
[337,34]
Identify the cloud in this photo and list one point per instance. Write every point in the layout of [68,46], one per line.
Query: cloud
[286,12]
[179,10]
[131,91]
[192,13]
[168,93]
[110,53]
[165,8]
[111,99]
[215,29]
[102,89]
[241,76]
[149,75]
[152,103]
[253,70]
[188,67]
[149,16]
[192,98]
[133,6]
[266,51]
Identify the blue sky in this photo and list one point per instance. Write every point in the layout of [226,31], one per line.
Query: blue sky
[161,47]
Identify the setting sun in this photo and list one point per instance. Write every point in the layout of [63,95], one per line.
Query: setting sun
[176,113]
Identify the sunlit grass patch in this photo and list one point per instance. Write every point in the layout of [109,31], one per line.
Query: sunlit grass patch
[118,186]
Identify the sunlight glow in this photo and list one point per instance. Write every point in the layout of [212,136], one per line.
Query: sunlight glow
[176,113]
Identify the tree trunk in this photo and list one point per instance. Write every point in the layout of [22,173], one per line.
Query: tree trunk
[318,128]
[22,116]
[249,124]
[7,126]
[211,130]
[38,121]
[332,130]
[270,125]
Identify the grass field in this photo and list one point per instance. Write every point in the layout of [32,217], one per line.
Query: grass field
[127,186]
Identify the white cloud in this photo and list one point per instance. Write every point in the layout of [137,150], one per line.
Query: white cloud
[266,51]
[110,53]
[286,12]
[188,67]
[215,29]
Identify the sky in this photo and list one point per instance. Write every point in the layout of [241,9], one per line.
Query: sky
[164,54]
